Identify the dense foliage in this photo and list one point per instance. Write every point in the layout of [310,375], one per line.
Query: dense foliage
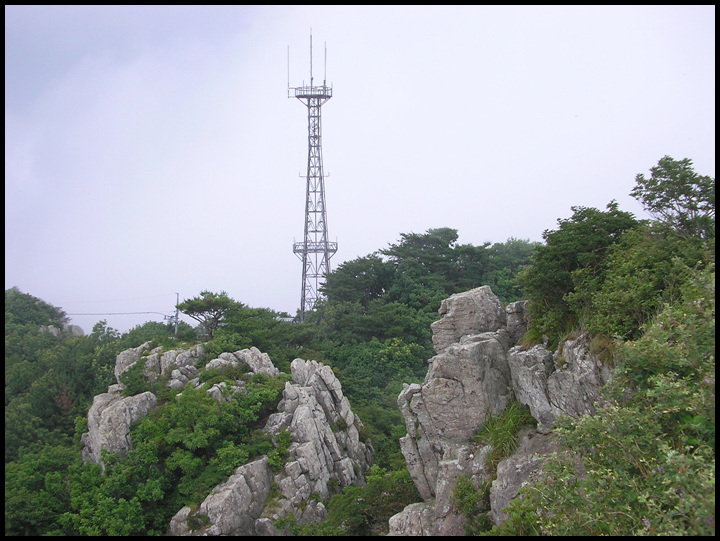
[647,457]
[610,273]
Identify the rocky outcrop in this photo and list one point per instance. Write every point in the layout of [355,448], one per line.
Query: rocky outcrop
[530,369]
[325,455]
[232,507]
[109,420]
[467,381]
[519,469]
[478,369]
[464,384]
[473,312]
[257,362]
[65,329]
[517,320]
[565,383]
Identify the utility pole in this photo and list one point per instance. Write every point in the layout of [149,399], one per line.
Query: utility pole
[177,298]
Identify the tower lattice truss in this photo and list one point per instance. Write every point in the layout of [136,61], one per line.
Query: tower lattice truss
[315,251]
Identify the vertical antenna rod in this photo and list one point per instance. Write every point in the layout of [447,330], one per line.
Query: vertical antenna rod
[315,251]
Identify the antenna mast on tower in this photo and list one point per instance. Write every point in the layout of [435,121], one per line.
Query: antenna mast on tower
[315,251]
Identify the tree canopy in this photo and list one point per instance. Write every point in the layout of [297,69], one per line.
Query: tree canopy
[579,245]
[209,309]
[679,197]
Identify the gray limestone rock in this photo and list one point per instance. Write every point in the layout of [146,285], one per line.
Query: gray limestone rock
[473,375]
[573,388]
[109,420]
[156,362]
[417,519]
[232,507]
[517,320]
[472,312]
[326,454]
[326,442]
[530,369]
[257,362]
[562,384]
[465,383]
[516,471]
[127,358]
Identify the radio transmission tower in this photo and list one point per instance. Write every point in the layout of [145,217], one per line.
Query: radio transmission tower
[315,251]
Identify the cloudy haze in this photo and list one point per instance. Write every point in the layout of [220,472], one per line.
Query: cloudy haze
[151,150]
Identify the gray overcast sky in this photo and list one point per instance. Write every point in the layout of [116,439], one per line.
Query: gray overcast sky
[151,150]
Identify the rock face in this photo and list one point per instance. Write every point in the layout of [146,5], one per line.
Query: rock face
[467,381]
[473,312]
[109,420]
[325,452]
[520,468]
[464,384]
[57,332]
[565,383]
[478,369]
[232,507]
[517,320]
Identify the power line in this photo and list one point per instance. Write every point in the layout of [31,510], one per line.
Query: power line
[117,314]
[117,300]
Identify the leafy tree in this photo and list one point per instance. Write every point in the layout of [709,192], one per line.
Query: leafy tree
[269,331]
[641,272]
[506,260]
[157,332]
[677,196]
[433,260]
[360,280]
[35,490]
[21,309]
[209,309]
[579,244]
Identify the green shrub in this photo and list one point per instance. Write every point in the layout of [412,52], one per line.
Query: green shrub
[649,452]
[474,503]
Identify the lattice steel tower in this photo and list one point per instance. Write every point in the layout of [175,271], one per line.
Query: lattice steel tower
[315,251]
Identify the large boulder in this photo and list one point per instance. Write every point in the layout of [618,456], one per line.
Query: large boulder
[472,312]
[417,519]
[109,420]
[256,362]
[465,384]
[232,507]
